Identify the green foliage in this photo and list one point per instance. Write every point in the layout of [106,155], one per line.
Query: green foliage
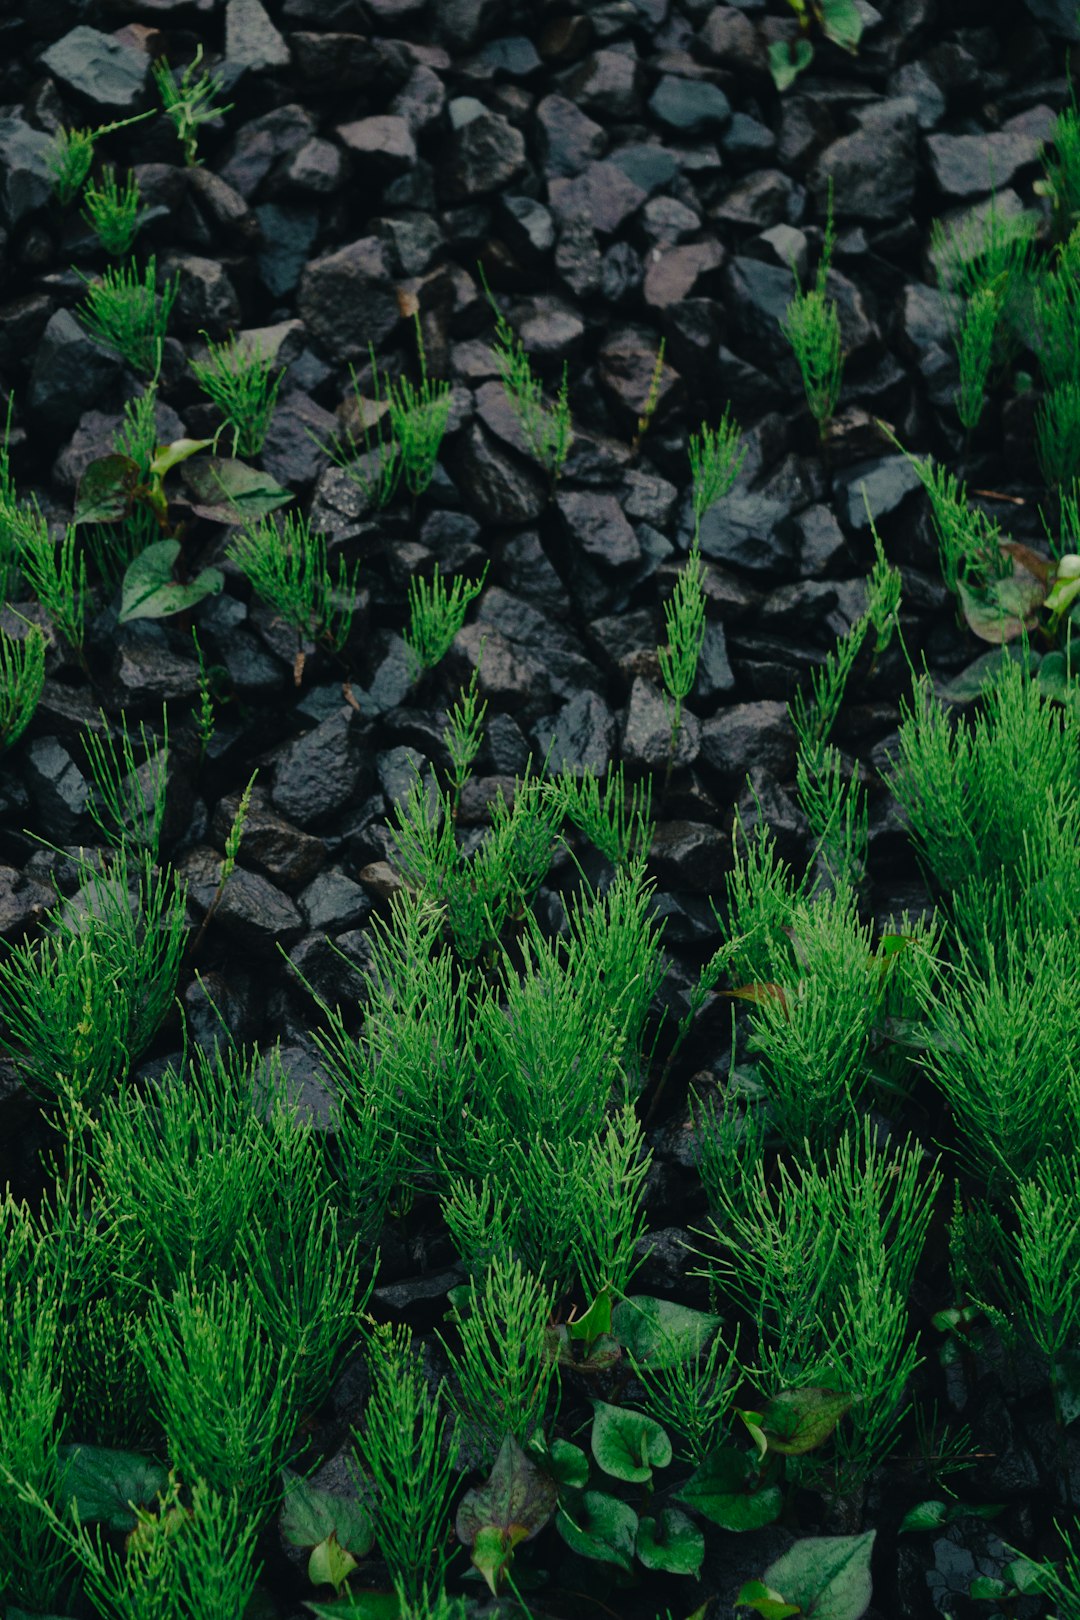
[1055,312]
[128,801]
[113,546]
[33,1560]
[811,325]
[822,1258]
[436,614]
[545,428]
[839,20]
[113,212]
[415,422]
[715,461]
[975,348]
[988,250]
[464,734]
[407,1451]
[1057,433]
[684,620]
[1048,1253]
[617,827]
[53,571]
[72,153]
[129,314]
[1061,167]
[81,1003]
[652,398]
[289,569]
[502,1371]
[224,1396]
[825,1575]
[237,377]
[189,103]
[22,680]
[690,1394]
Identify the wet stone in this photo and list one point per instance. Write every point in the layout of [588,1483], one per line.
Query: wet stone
[346,299]
[569,139]
[319,773]
[24,902]
[646,730]
[57,789]
[486,153]
[25,177]
[747,531]
[689,106]
[289,856]
[71,372]
[688,855]
[595,525]
[749,734]
[333,901]
[581,736]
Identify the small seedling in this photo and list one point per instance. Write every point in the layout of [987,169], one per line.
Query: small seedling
[436,614]
[233,840]
[113,212]
[839,20]
[684,618]
[128,802]
[715,461]
[128,314]
[72,154]
[1061,167]
[812,327]
[56,574]
[238,381]
[545,428]
[289,569]
[464,734]
[22,680]
[652,399]
[189,104]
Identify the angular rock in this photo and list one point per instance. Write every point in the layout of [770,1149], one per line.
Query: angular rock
[688,855]
[333,901]
[672,275]
[251,40]
[874,169]
[229,211]
[251,911]
[321,772]
[603,194]
[580,737]
[568,138]
[646,730]
[486,154]
[384,143]
[888,481]
[259,144]
[288,234]
[70,373]
[286,854]
[25,177]
[606,83]
[498,487]
[691,107]
[510,677]
[421,99]
[347,300]
[746,530]
[749,734]
[762,200]
[23,902]
[528,228]
[207,298]
[974,165]
[103,70]
[57,788]
[595,525]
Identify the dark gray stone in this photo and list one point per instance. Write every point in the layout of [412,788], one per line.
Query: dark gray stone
[673,274]
[714,673]
[206,299]
[688,855]
[102,69]
[528,228]
[347,299]
[1058,16]
[577,257]
[974,165]
[889,480]
[333,901]
[260,143]
[820,541]
[283,852]
[288,453]
[498,487]
[288,234]
[319,773]
[606,83]
[57,789]
[646,729]
[421,99]
[316,169]
[596,526]
[71,372]
[23,902]
[384,144]
[649,166]
[25,178]
[689,106]
[603,194]
[510,676]
[568,138]
[874,169]
[746,531]
[251,40]
[749,734]
[230,213]
[763,200]
[580,737]
[485,152]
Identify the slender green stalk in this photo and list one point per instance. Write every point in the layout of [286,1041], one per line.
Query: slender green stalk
[189,103]
[811,325]
[113,212]
[238,380]
[436,614]
[129,314]
[22,680]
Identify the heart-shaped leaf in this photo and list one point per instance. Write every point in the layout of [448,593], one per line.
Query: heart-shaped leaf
[798,1420]
[628,1445]
[787,61]
[227,491]
[150,592]
[827,1577]
[601,1527]
[842,23]
[513,1505]
[330,1564]
[672,1543]
[1000,611]
[104,1482]
[722,1490]
[106,489]
[359,1606]
[659,1333]
[309,1515]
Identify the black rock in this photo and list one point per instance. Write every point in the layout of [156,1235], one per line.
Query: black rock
[104,71]
[485,151]
[25,177]
[749,734]
[252,43]
[646,730]
[290,857]
[748,532]
[320,772]
[874,169]
[347,299]
[71,373]
[58,790]
[581,736]
[568,138]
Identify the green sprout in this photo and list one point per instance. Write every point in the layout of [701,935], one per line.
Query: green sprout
[22,680]
[128,314]
[189,104]
[684,618]
[545,428]
[289,568]
[237,379]
[113,212]
[436,614]
[71,155]
[715,462]
[811,325]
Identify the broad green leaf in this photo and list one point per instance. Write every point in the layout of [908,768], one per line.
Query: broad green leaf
[600,1527]
[720,1490]
[103,1482]
[1029,1575]
[171,455]
[567,1464]
[988,1589]
[828,1577]
[799,1420]
[358,1606]
[596,1322]
[330,1563]
[787,61]
[660,1333]
[1059,677]
[516,1497]
[149,590]
[597,1357]
[932,1515]
[628,1445]
[493,1553]
[227,491]
[974,680]
[106,489]
[841,22]
[1000,611]
[672,1543]
[769,1604]
[309,1515]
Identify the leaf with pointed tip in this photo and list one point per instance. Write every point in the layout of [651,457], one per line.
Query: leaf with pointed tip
[330,1563]
[799,1420]
[149,590]
[167,456]
[104,1482]
[595,1323]
[628,1445]
[827,1576]
[768,1603]
[721,1490]
[787,61]
[672,1543]
[517,1498]
[1000,611]
[106,490]
[602,1528]
[841,21]
[309,1515]
[224,490]
[660,1333]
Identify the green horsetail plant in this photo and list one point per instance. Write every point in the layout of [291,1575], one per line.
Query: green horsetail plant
[1061,167]
[129,314]
[619,826]
[1057,433]
[822,1257]
[289,569]
[233,839]
[407,1451]
[1004,1051]
[128,801]
[188,103]
[204,714]
[55,574]
[237,378]
[684,620]
[1047,1247]
[33,1559]
[224,1396]
[71,155]
[715,462]
[1055,313]
[811,325]
[418,419]
[988,250]
[178,1562]
[113,212]
[969,542]
[22,680]
[82,1003]
[651,401]
[436,614]
[975,351]
[464,734]
[690,1395]
[502,1370]
[545,428]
